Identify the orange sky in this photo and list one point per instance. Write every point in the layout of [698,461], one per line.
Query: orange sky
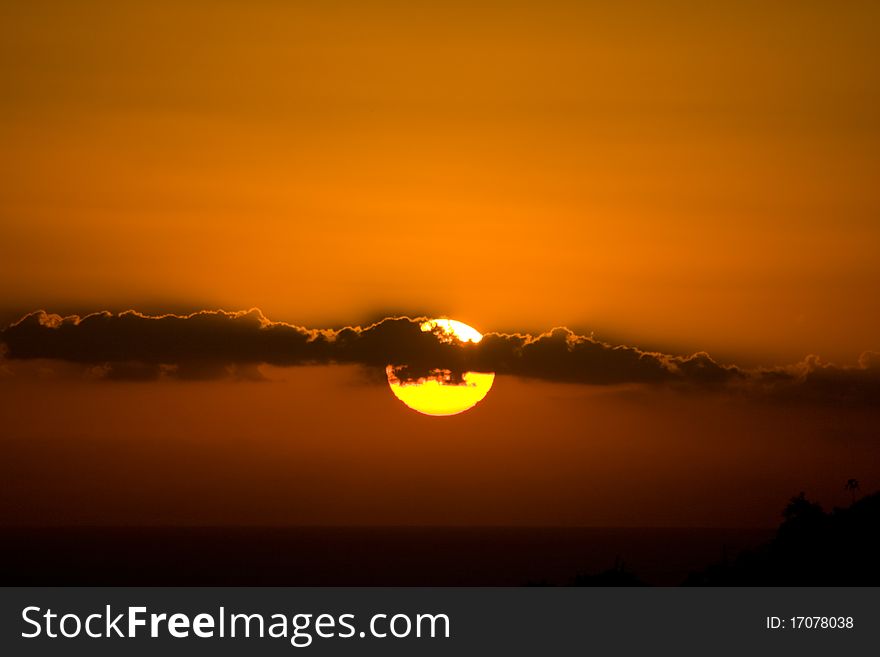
[677,176]
[671,175]
[317,446]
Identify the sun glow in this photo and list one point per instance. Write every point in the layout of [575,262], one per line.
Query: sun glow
[451,329]
[432,396]
[438,394]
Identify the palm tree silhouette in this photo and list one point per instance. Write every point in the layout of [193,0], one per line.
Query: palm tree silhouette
[852,485]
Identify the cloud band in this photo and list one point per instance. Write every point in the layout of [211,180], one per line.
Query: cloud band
[213,343]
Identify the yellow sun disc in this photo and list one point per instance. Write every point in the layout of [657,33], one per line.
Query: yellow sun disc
[436,394]
[451,329]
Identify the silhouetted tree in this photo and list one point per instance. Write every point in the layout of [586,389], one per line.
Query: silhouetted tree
[800,510]
[618,575]
[852,485]
[811,548]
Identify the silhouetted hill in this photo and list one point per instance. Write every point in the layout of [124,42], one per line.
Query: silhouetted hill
[811,548]
[617,575]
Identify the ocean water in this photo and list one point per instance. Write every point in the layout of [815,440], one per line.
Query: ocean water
[357,556]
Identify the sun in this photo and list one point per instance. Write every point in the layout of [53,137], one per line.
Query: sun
[438,394]
[449,330]
[435,395]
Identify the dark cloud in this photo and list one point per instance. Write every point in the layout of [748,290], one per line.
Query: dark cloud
[210,344]
[213,344]
[819,382]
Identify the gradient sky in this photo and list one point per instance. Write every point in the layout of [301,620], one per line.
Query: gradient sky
[672,174]
[679,176]
[318,446]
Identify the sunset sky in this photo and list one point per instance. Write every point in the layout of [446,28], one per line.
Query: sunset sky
[676,176]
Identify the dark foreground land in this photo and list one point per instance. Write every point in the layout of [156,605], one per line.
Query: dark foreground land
[377,556]
[811,547]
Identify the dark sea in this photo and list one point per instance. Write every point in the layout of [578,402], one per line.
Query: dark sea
[358,556]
